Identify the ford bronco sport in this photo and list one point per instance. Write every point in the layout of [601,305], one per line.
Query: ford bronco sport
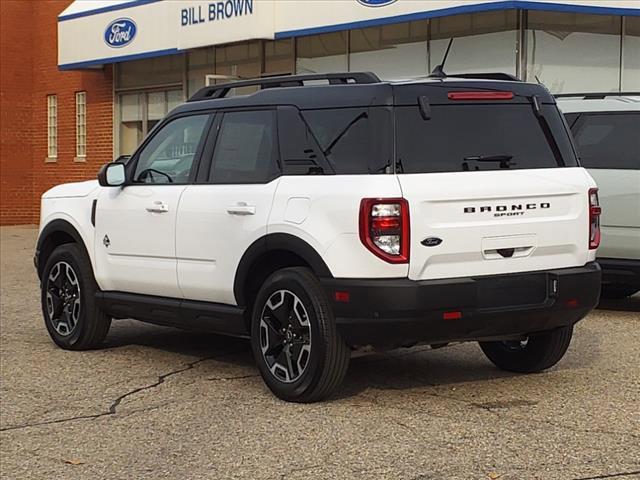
[326,213]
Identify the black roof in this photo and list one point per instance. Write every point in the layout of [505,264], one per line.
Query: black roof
[355,89]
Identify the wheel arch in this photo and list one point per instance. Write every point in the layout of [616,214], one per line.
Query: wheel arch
[57,232]
[268,254]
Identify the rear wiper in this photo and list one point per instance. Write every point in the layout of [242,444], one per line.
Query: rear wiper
[505,160]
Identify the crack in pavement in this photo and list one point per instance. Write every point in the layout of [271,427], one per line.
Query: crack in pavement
[610,475]
[238,377]
[113,408]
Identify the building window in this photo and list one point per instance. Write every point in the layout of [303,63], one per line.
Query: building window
[322,53]
[631,59]
[52,126]
[81,124]
[278,57]
[573,52]
[484,42]
[391,51]
[140,112]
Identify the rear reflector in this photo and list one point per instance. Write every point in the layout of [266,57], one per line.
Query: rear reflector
[480,95]
[572,302]
[342,297]
[451,315]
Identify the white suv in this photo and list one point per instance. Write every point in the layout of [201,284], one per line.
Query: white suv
[327,213]
[606,128]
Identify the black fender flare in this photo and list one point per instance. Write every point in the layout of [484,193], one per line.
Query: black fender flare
[272,242]
[53,227]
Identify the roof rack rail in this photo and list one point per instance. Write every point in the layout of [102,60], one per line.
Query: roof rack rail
[597,96]
[221,91]
[487,76]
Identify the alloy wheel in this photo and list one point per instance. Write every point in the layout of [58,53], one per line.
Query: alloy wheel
[285,336]
[63,298]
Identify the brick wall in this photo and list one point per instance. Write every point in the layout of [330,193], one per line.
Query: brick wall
[33,74]
[16,75]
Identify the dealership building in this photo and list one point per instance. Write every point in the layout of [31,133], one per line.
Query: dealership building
[89,79]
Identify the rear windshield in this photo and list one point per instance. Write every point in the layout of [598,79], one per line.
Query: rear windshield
[467,137]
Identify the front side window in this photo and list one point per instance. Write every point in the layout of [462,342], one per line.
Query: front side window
[81,124]
[169,156]
[52,126]
[608,140]
[246,150]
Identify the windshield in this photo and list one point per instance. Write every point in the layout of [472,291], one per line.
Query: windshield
[465,137]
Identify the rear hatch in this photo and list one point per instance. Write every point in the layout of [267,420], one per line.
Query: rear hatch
[491,178]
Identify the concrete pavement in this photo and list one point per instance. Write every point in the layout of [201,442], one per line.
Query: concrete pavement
[160,403]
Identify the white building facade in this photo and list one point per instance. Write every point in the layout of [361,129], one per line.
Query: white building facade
[164,50]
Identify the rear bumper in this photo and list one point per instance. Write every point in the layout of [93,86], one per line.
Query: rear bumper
[394,312]
[620,271]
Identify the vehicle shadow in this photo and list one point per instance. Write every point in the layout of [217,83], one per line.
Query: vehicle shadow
[629,304]
[127,333]
[419,367]
[402,369]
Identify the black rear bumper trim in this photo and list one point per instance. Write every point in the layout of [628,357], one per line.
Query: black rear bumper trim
[394,312]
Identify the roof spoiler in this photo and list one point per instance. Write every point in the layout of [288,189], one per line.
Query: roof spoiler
[347,78]
[597,96]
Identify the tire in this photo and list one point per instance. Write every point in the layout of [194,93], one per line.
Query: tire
[71,316]
[292,313]
[541,351]
[617,291]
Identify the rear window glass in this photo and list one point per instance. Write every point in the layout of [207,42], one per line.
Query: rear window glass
[479,137]
[608,140]
[353,140]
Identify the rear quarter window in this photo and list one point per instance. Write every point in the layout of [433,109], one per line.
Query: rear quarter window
[353,140]
[608,140]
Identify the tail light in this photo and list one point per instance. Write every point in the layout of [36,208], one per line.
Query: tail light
[384,228]
[594,219]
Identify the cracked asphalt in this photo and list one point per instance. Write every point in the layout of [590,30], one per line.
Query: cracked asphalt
[159,403]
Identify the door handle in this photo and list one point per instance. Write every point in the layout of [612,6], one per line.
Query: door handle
[158,207]
[241,208]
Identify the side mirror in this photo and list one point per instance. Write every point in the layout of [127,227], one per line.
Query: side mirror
[112,175]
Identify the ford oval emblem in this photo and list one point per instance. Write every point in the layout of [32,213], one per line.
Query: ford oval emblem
[375,3]
[431,242]
[120,32]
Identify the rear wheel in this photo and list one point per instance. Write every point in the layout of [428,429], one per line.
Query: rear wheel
[534,354]
[299,352]
[71,316]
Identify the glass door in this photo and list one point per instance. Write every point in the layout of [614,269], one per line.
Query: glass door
[140,112]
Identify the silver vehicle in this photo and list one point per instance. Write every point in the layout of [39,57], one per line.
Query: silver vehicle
[606,128]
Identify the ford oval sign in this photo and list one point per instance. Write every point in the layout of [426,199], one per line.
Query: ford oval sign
[120,33]
[375,3]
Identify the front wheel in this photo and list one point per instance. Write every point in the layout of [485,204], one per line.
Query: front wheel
[533,354]
[71,315]
[299,352]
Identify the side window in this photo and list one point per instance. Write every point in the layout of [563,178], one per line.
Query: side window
[168,157]
[608,140]
[353,140]
[298,150]
[246,148]
[571,118]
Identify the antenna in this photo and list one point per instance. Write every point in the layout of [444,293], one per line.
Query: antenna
[438,72]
